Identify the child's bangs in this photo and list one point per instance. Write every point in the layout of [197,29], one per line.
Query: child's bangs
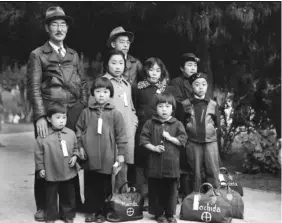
[102,82]
[56,107]
[165,98]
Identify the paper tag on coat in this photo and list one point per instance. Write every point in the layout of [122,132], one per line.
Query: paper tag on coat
[100,123]
[221,177]
[196,202]
[125,99]
[64,148]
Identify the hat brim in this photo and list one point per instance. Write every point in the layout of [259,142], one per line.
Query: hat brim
[130,36]
[68,19]
[190,58]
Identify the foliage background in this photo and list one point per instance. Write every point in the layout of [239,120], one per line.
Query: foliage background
[239,43]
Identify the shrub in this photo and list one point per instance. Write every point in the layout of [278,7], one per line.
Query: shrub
[261,152]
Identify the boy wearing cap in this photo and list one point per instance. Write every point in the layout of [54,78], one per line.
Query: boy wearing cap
[203,121]
[121,40]
[183,92]
[53,75]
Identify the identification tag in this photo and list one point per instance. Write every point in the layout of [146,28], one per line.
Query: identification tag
[221,177]
[64,148]
[125,100]
[196,202]
[100,123]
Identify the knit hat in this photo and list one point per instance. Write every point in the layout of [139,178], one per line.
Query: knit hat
[196,76]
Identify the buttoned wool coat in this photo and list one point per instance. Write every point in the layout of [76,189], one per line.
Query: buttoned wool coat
[49,155]
[122,100]
[165,164]
[51,78]
[100,148]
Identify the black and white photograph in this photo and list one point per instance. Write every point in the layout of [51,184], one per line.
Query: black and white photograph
[140,111]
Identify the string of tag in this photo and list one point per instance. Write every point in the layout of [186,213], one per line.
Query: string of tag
[63,144]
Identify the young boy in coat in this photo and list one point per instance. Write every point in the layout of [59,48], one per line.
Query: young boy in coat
[55,158]
[203,121]
[183,93]
[164,136]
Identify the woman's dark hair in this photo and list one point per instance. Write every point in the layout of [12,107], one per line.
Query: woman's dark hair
[164,98]
[102,82]
[149,63]
[56,107]
[108,56]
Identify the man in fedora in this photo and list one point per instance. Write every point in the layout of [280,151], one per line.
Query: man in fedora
[53,75]
[121,40]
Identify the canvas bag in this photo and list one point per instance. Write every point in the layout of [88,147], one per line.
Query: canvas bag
[126,206]
[226,178]
[205,207]
[235,200]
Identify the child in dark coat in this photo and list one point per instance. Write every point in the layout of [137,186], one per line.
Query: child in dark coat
[55,159]
[183,92]
[102,137]
[164,136]
[203,120]
[154,74]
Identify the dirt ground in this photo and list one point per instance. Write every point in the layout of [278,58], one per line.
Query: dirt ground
[16,190]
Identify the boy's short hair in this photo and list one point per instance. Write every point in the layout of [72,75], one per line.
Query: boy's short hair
[188,57]
[164,98]
[102,82]
[56,107]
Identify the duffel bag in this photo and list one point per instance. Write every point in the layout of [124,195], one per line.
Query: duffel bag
[226,178]
[206,207]
[235,200]
[126,206]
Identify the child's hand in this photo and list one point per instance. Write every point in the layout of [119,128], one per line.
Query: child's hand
[82,153]
[166,135]
[42,173]
[159,148]
[120,158]
[72,161]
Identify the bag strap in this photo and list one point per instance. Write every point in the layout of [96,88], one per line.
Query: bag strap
[127,182]
[113,175]
[206,184]
[224,170]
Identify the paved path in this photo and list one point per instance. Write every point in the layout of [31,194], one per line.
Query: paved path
[16,188]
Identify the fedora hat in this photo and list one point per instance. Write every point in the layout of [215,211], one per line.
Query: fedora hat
[56,12]
[119,31]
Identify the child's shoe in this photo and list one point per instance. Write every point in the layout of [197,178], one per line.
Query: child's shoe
[68,220]
[171,220]
[100,219]
[90,217]
[161,219]
[39,215]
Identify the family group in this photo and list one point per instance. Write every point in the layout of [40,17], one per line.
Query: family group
[137,123]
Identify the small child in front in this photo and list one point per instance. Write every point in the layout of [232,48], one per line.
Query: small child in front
[102,139]
[164,136]
[203,120]
[55,158]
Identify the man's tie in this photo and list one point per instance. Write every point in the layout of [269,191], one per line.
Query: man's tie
[61,52]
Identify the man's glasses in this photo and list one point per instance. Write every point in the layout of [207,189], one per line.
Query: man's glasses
[59,25]
[124,42]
